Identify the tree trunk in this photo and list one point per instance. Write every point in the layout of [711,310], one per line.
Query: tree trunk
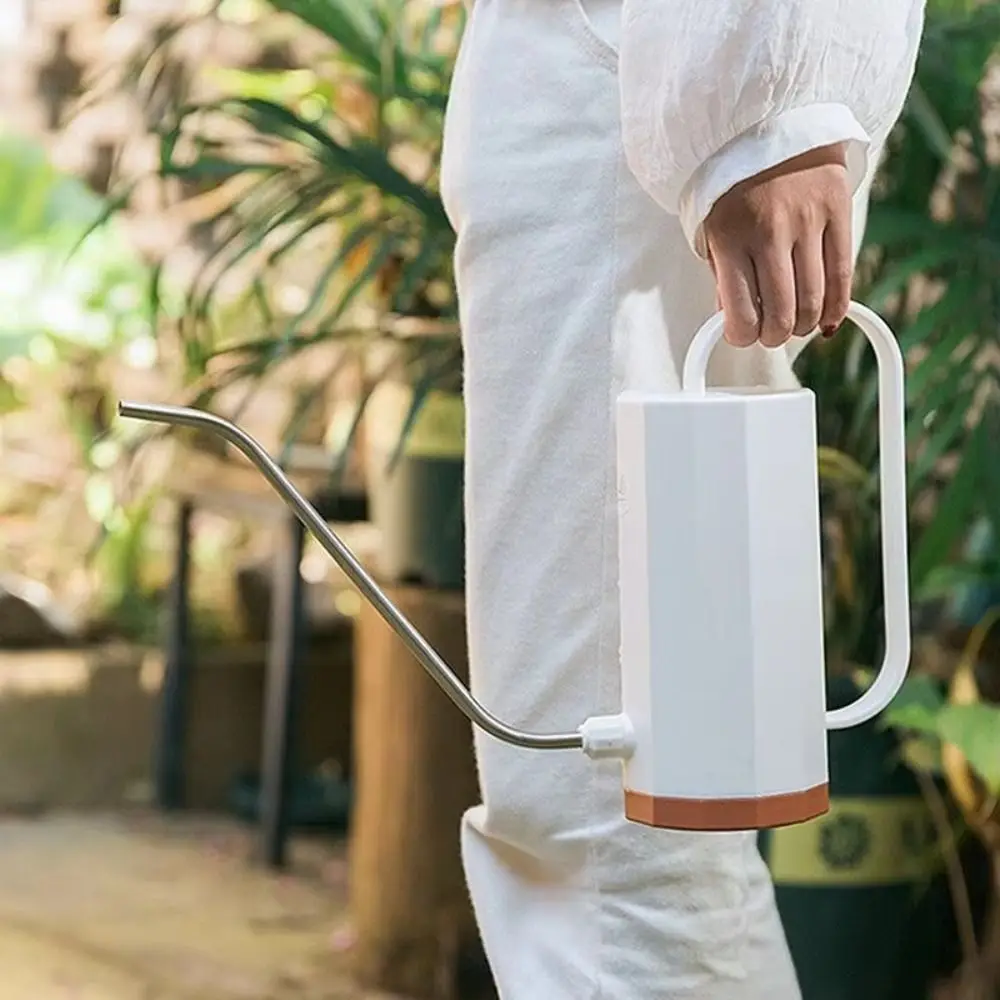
[414,776]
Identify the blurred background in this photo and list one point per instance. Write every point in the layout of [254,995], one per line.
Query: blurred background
[220,775]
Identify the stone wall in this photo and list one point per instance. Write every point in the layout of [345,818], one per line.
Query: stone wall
[78,727]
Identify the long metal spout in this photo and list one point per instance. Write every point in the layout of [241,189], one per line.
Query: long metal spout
[356,573]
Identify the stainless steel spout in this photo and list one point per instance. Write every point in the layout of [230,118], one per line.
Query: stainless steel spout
[426,655]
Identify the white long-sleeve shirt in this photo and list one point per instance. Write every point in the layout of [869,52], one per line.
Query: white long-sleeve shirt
[715,91]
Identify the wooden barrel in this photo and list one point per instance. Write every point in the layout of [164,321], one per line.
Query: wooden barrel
[414,777]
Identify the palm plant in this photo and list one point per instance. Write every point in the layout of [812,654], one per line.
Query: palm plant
[931,265]
[322,195]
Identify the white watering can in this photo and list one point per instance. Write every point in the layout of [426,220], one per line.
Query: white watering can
[723,723]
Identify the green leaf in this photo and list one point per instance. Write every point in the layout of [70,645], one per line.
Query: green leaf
[354,240]
[939,361]
[217,168]
[899,273]
[975,730]
[417,271]
[361,160]
[922,112]
[39,204]
[15,343]
[941,437]
[889,226]
[286,86]
[251,220]
[953,512]
[990,421]
[422,388]
[353,26]
[9,399]
[431,26]
[947,581]
[836,467]
[917,705]
[311,224]
[379,258]
[918,718]
[959,300]
[921,752]
[937,400]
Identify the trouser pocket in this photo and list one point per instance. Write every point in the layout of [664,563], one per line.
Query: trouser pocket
[598,24]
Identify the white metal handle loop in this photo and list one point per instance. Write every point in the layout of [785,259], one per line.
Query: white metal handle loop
[892,462]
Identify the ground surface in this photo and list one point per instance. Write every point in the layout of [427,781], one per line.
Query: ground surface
[143,908]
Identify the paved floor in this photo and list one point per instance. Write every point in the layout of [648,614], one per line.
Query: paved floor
[139,907]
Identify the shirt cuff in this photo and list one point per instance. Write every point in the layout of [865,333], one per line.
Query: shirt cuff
[765,145]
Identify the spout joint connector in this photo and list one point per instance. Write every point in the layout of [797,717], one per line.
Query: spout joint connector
[608,737]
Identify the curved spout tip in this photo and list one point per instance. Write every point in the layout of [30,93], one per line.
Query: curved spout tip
[158,413]
[128,410]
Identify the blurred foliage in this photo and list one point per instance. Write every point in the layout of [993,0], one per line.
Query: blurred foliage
[37,204]
[931,266]
[66,306]
[337,164]
[325,211]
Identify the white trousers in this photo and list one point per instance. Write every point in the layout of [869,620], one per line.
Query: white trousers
[574,285]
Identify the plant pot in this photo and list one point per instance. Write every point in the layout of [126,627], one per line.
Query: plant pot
[861,891]
[316,801]
[416,491]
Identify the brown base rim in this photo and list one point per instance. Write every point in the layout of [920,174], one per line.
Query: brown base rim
[727,814]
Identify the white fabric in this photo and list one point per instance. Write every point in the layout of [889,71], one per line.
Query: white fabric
[575,284]
[715,92]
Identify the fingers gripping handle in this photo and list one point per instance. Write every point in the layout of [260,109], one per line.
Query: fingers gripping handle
[892,461]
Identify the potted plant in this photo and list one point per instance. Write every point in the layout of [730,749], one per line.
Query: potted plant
[866,893]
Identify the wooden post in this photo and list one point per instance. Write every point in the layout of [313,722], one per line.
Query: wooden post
[414,776]
[169,763]
[284,667]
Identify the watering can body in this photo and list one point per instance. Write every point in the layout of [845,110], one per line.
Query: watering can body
[722,652]
[722,617]
[723,723]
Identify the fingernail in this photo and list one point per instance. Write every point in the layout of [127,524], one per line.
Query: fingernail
[828,331]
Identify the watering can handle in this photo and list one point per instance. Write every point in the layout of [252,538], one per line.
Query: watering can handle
[426,655]
[892,462]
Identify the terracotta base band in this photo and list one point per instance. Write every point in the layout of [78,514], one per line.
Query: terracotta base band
[727,814]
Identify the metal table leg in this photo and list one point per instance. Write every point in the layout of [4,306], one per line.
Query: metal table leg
[288,623]
[169,764]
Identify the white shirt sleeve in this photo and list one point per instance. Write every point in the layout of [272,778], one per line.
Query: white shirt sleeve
[715,91]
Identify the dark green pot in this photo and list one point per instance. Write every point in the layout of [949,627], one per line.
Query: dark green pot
[861,891]
[426,496]
[316,801]
[416,495]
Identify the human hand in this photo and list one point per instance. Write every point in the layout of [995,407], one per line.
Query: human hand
[780,247]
